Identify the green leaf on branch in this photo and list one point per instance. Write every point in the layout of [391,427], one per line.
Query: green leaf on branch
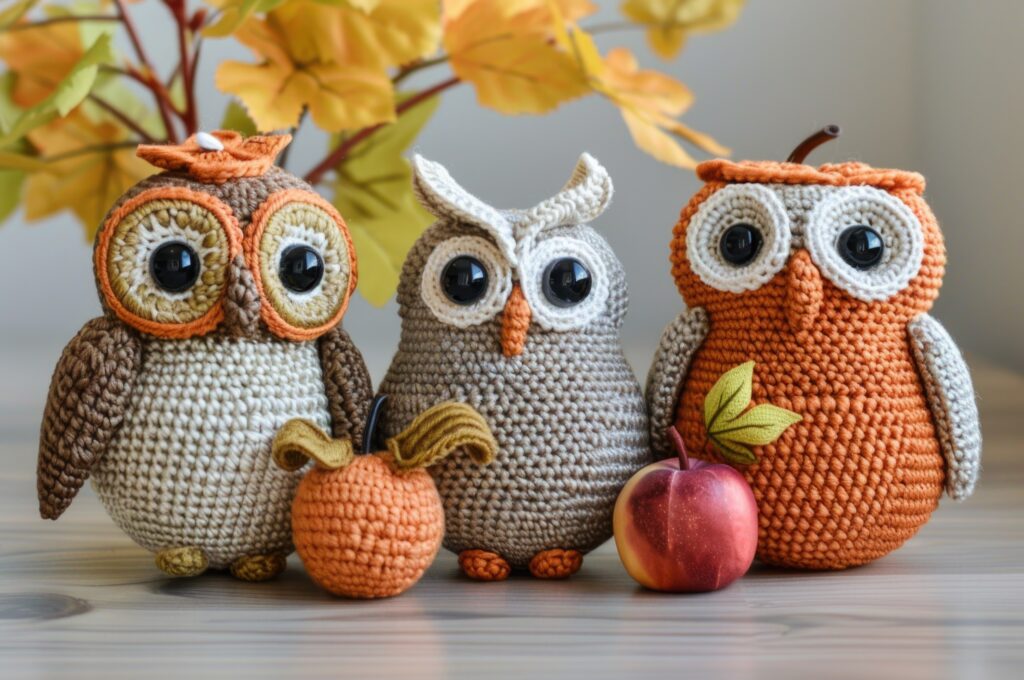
[11,15]
[373,192]
[236,118]
[69,93]
[731,427]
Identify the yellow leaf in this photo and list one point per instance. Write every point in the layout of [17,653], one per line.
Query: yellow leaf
[87,184]
[388,32]
[298,72]
[373,191]
[669,22]
[40,58]
[507,52]
[730,429]
[650,102]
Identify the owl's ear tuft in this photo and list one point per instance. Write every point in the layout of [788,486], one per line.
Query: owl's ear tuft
[445,198]
[583,198]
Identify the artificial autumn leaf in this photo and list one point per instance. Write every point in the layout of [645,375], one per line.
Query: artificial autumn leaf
[235,118]
[10,16]
[86,182]
[505,50]
[295,76]
[732,428]
[68,93]
[233,14]
[387,32]
[373,192]
[669,22]
[40,57]
[649,102]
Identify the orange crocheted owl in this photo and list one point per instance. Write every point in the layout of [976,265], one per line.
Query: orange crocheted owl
[824,277]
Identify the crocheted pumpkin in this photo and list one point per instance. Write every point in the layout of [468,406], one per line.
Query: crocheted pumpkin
[824,277]
[369,526]
[517,313]
[223,282]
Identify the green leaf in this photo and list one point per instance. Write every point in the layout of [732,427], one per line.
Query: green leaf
[11,15]
[729,396]
[236,118]
[12,160]
[373,192]
[733,431]
[68,94]
[10,192]
[759,426]
[234,15]
[9,111]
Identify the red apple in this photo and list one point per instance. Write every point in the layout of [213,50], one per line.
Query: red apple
[686,526]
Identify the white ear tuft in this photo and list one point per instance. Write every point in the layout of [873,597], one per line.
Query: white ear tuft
[583,198]
[446,199]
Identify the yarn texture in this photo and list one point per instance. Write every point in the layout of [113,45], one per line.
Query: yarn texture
[849,349]
[551,381]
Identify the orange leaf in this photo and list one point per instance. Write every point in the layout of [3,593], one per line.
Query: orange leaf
[40,58]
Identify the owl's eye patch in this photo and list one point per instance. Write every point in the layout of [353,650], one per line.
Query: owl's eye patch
[301,258]
[162,259]
[465,281]
[565,281]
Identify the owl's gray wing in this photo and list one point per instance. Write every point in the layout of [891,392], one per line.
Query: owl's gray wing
[347,383]
[89,396]
[947,384]
[679,342]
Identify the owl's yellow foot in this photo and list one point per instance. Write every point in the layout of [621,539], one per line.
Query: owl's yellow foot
[182,562]
[481,565]
[258,567]
[556,563]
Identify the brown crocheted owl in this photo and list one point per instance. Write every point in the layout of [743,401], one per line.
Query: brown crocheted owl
[824,277]
[223,282]
[517,313]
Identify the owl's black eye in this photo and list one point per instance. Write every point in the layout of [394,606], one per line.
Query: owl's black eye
[464,280]
[566,282]
[861,246]
[174,266]
[302,268]
[740,243]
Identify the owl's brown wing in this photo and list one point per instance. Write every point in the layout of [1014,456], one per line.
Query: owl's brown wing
[348,385]
[947,384]
[89,395]
[679,342]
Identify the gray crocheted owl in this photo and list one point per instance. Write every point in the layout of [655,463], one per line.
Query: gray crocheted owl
[517,313]
[223,282]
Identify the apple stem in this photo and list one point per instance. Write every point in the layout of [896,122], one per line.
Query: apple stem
[680,446]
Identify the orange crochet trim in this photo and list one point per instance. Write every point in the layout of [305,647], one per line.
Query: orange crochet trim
[515,323]
[241,156]
[831,174]
[208,321]
[275,322]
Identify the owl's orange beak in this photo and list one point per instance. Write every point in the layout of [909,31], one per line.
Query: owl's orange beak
[515,322]
[804,292]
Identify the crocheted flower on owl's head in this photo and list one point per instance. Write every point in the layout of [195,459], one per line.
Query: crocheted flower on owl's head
[217,156]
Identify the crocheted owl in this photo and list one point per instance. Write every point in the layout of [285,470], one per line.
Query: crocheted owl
[223,282]
[824,277]
[517,313]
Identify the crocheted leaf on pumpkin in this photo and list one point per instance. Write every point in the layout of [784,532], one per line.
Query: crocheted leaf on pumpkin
[669,23]
[732,428]
[373,190]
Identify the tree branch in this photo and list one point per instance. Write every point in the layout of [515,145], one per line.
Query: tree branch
[123,118]
[62,20]
[92,148]
[163,100]
[342,150]
[406,71]
[190,118]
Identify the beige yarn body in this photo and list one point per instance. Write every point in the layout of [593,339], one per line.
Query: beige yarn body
[191,465]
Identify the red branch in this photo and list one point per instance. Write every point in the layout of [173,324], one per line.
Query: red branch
[339,154]
[163,99]
[190,117]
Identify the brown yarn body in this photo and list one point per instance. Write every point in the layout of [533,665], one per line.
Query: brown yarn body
[862,472]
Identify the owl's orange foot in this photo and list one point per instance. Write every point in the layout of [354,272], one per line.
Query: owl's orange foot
[258,567]
[182,562]
[556,563]
[481,565]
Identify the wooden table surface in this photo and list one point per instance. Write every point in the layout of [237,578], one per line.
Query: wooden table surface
[77,598]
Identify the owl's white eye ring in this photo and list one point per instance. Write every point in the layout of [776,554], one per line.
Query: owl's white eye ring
[883,215]
[479,299]
[578,304]
[712,246]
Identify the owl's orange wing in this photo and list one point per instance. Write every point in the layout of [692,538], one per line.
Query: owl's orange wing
[679,342]
[347,383]
[89,395]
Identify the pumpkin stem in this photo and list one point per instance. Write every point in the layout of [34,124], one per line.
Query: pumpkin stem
[804,148]
[439,431]
[299,440]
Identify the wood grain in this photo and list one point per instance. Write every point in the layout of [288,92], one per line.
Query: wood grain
[78,599]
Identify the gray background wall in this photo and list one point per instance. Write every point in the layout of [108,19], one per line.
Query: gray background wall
[932,85]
